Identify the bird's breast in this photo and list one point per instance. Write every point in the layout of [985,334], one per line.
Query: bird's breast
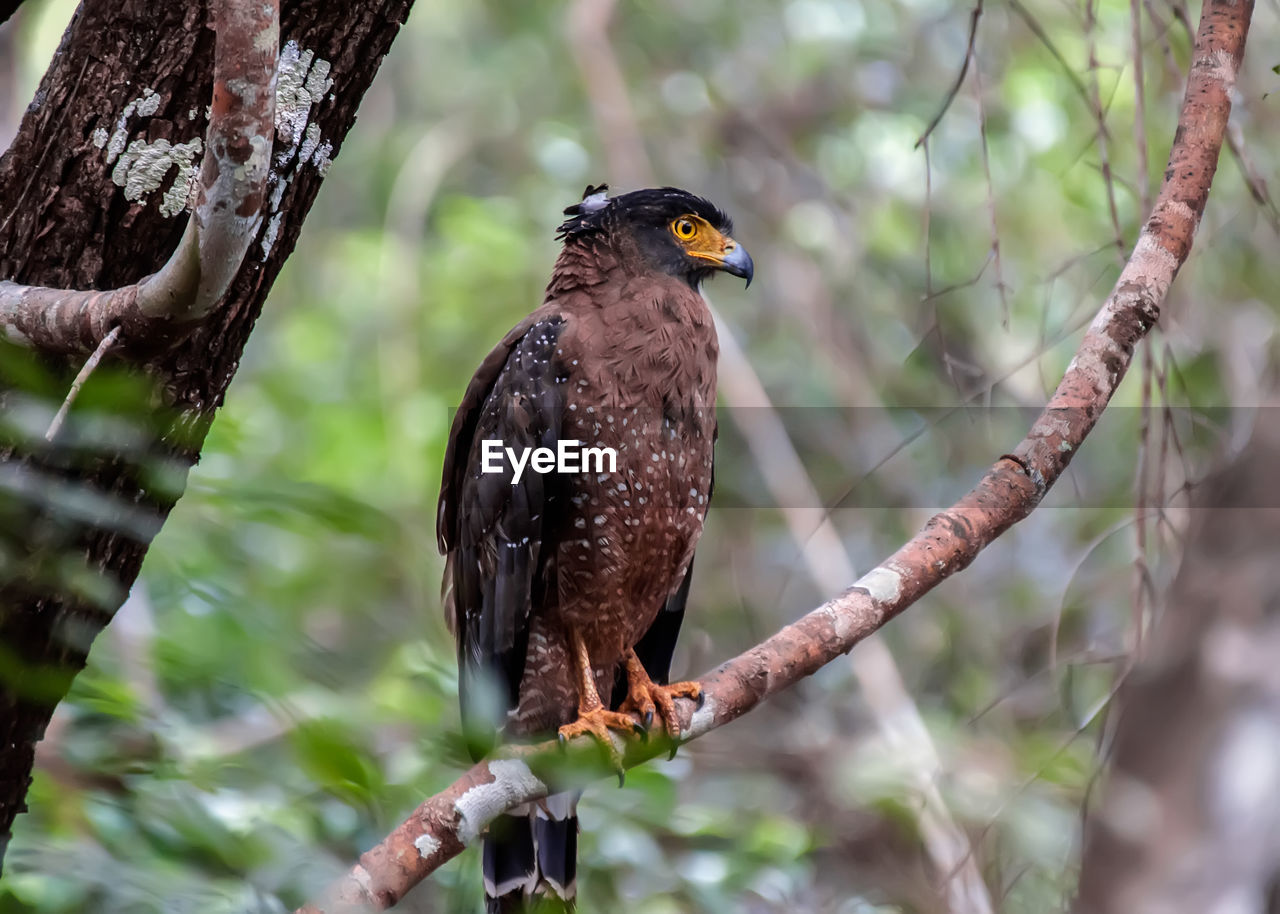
[633,521]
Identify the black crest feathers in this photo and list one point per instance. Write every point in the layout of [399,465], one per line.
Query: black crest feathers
[650,206]
[595,200]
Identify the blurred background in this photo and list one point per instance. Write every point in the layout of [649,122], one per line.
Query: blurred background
[280,689]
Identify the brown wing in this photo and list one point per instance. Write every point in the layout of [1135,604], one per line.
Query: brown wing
[492,531]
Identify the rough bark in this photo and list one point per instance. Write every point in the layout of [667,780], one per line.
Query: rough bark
[1188,819]
[446,823]
[76,521]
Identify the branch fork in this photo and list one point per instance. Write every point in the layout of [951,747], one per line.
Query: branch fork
[225,219]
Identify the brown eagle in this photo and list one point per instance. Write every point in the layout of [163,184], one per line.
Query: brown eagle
[566,583]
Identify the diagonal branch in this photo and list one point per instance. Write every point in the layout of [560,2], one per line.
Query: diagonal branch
[225,219]
[443,825]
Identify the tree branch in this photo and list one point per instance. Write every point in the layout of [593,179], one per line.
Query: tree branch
[224,221]
[442,826]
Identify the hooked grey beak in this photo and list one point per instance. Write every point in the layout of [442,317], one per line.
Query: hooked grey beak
[737,262]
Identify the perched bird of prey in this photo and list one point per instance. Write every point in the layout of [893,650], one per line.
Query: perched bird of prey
[566,589]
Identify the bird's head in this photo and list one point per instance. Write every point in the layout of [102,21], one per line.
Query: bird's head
[674,231]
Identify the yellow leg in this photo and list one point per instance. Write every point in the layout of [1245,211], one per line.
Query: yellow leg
[593,717]
[645,697]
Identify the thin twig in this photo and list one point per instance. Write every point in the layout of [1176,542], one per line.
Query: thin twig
[1140,107]
[1195,714]
[828,563]
[1162,38]
[1038,30]
[1001,288]
[974,16]
[930,297]
[1102,136]
[85,371]
[1253,178]
[1142,508]
[926,219]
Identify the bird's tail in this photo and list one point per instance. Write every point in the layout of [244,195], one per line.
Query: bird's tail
[531,858]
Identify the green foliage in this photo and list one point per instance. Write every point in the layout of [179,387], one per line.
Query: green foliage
[280,690]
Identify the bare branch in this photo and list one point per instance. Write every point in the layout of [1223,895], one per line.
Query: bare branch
[1001,286]
[1038,30]
[1253,178]
[225,219]
[446,823]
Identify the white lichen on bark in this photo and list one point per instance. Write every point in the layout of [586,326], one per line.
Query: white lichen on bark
[314,149]
[141,167]
[270,235]
[426,845]
[1223,68]
[363,879]
[702,721]
[147,104]
[883,584]
[322,159]
[144,166]
[512,782]
[302,82]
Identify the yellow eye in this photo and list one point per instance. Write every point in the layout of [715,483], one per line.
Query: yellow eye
[684,228]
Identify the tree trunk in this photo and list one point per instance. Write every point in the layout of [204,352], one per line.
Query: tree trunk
[79,208]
